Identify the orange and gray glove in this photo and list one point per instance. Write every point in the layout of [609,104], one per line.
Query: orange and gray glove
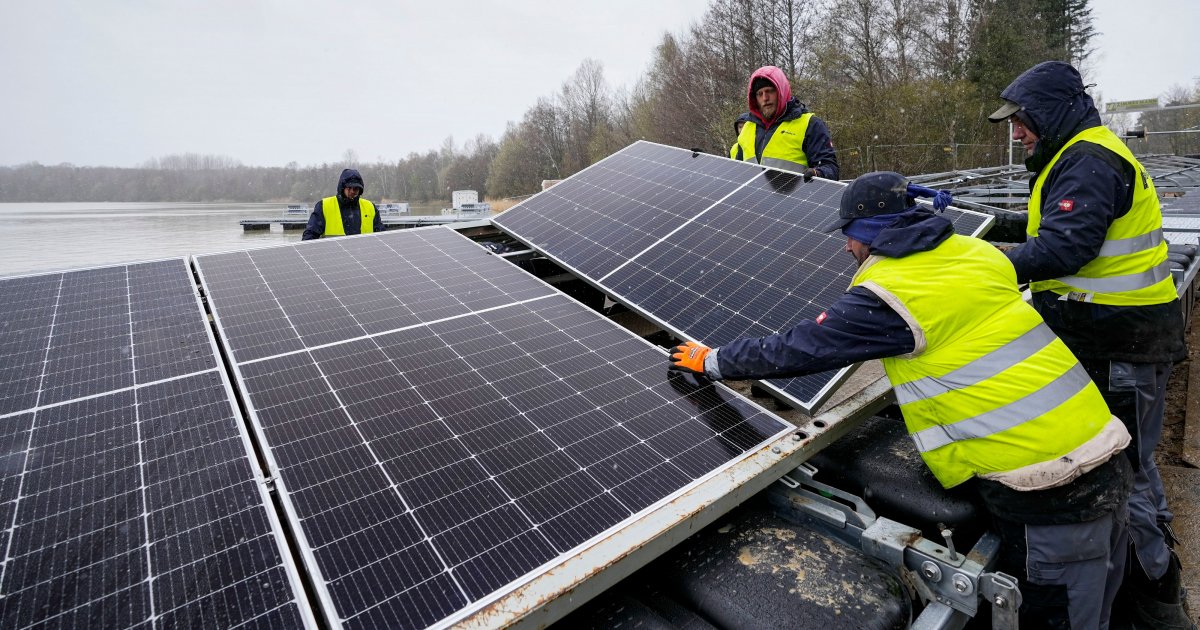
[690,357]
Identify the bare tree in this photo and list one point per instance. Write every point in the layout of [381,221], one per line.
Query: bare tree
[585,103]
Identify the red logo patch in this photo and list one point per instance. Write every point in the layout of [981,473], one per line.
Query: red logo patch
[1066,205]
[821,317]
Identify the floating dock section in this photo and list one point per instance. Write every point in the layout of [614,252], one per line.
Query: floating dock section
[389,223]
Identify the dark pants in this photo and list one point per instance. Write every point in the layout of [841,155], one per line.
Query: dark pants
[1069,572]
[1136,393]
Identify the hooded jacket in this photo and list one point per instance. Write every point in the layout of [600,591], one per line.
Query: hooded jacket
[735,152]
[351,216]
[859,326]
[818,142]
[1099,186]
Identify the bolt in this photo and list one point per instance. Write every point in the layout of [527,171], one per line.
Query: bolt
[1000,602]
[948,534]
[775,449]
[931,571]
[962,584]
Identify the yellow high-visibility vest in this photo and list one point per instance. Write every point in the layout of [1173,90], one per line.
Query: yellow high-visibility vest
[785,149]
[1131,269]
[333,216]
[988,387]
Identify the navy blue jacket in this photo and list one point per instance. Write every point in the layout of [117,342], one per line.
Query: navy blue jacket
[1100,185]
[744,117]
[818,142]
[351,214]
[857,327]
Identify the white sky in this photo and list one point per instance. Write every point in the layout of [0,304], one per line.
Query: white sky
[1144,48]
[266,82]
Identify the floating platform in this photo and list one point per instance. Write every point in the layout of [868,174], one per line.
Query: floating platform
[389,223]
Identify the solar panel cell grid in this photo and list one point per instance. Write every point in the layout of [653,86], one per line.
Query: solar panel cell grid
[328,293]
[623,205]
[431,465]
[733,251]
[127,496]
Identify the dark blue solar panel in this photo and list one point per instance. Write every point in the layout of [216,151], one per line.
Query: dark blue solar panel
[282,299]
[749,262]
[726,292]
[595,221]
[433,466]
[127,493]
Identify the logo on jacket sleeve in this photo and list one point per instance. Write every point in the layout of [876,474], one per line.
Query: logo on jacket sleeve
[821,317]
[1066,205]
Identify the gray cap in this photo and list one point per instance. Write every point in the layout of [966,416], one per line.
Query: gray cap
[871,194]
[1007,109]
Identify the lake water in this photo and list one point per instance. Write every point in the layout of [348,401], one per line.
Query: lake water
[54,236]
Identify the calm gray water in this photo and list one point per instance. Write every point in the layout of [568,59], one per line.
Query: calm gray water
[54,236]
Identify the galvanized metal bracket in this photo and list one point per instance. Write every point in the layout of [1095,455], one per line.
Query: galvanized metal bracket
[835,512]
[956,581]
[1001,590]
[855,510]
[887,540]
[950,582]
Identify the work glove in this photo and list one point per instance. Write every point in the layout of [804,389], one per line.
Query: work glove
[809,173]
[689,358]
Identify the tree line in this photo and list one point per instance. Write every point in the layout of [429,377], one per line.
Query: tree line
[904,85]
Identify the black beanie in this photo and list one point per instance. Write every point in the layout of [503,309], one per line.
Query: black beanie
[760,83]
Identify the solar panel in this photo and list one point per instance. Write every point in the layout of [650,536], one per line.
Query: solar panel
[495,429]
[127,492]
[624,204]
[742,257]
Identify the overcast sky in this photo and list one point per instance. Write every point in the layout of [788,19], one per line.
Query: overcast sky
[267,82]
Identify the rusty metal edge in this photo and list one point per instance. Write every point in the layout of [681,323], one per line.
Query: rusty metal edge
[572,583]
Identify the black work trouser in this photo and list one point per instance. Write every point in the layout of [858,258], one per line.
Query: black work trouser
[1068,573]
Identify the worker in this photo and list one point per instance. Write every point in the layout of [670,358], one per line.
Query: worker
[345,213]
[989,395]
[782,133]
[1097,263]
[735,152]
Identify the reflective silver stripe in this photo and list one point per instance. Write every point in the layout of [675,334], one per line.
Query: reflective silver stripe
[980,369]
[1013,414]
[1133,245]
[1118,284]
[786,165]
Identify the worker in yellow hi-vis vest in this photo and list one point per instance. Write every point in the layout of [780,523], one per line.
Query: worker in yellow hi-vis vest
[345,213]
[781,132]
[992,399]
[1096,260]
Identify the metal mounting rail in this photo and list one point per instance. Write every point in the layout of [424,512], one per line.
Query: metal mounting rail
[951,584]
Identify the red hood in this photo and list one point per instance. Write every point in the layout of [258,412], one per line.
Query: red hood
[782,87]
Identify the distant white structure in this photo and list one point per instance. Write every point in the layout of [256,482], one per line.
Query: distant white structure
[393,209]
[466,201]
[460,197]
